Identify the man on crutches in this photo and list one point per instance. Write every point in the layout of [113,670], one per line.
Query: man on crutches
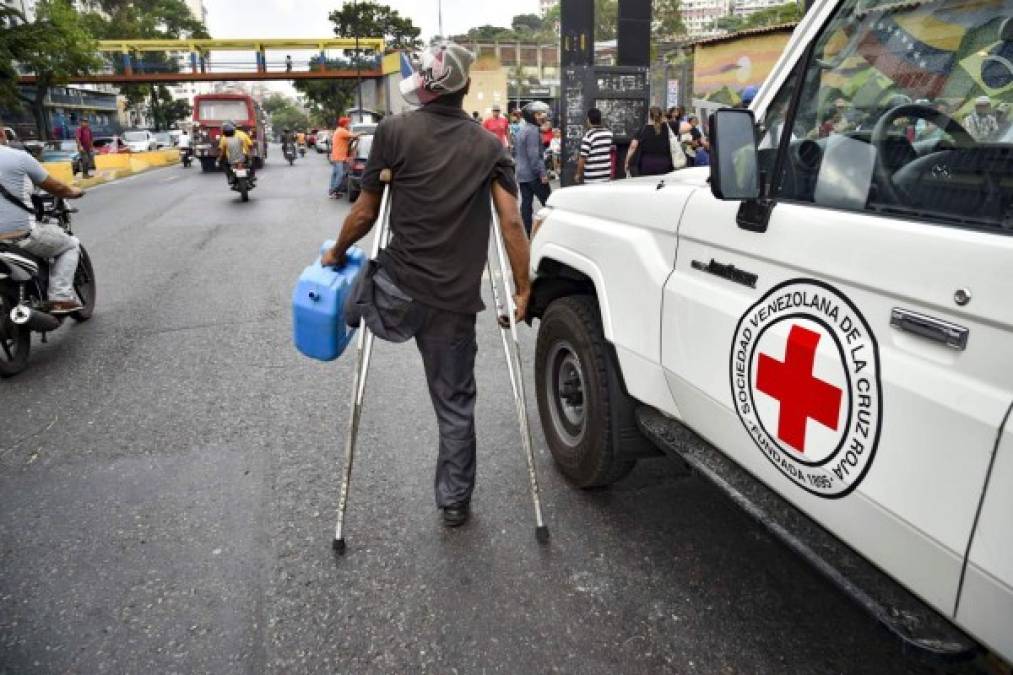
[426,284]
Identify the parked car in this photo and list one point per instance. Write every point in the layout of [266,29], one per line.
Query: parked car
[324,140]
[62,151]
[164,139]
[140,140]
[110,145]
[356,165]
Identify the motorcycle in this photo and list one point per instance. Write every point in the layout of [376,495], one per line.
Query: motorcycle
[186,156]
[289,153]
[302,150]
[242,180]
[24,288]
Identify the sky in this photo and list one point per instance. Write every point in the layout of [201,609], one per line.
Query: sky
[308,19]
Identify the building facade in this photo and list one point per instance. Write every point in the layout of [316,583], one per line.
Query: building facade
[699,15]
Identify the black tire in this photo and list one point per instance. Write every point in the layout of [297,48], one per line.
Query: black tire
[571,381]
[15,343]
[87,289]
[291,161]
[244,189]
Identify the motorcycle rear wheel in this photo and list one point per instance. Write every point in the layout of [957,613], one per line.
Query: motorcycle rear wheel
[84,285]
[244,189]
[15,344]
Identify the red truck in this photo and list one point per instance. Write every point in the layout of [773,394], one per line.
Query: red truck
[211,111]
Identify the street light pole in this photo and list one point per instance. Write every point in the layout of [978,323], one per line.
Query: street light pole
[440,5]
[358,58]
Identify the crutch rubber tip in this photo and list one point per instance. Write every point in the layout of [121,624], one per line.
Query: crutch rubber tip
[542,534]
[339,546]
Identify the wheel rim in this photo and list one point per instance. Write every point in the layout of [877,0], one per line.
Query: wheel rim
[566,385]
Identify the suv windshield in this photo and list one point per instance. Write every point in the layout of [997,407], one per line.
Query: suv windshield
[905,107]
[134,136]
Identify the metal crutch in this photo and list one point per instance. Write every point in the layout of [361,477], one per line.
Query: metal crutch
[511,349]
[363,354]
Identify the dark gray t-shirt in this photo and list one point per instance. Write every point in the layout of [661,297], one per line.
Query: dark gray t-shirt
[443,166]
[18,170]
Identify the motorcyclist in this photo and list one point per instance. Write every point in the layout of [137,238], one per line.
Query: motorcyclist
[234,148]
[184,143]
[45,240]
[287,143]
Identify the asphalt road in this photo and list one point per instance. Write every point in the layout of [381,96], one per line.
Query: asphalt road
[169,474]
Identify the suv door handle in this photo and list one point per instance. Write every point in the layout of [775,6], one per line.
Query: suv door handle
[937,330]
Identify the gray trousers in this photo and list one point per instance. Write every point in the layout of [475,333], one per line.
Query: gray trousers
[447,343]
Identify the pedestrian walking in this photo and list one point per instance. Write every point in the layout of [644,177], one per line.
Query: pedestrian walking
[531,172]
[340,144]
[498,126]
[85,147]
[652,149]
[427,283]
[515,127]
[594,165]
[288,64]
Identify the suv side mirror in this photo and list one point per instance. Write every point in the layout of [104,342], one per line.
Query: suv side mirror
[735,174]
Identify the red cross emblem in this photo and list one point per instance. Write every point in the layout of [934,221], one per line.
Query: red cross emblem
[801,396]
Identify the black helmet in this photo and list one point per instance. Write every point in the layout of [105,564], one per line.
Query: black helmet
[228,128]
[529,111]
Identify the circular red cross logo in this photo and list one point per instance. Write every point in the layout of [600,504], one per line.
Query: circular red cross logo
[805,384]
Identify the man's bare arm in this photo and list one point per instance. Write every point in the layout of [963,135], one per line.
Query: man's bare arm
[517,247]
[60,189]
[357,225]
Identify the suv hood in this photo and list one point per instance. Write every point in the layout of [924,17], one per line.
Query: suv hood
[621,200]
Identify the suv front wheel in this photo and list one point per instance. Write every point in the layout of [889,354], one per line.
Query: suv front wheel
[572,372]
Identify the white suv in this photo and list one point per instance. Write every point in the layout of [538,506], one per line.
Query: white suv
[822,323]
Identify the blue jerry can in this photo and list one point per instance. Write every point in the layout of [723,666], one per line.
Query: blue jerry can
[318,303]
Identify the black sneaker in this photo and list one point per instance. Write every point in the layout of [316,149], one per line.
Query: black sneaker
[457,515]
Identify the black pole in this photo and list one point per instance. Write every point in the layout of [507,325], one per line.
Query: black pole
[358,59]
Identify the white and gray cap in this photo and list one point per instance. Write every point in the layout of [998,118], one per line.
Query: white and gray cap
[442,69]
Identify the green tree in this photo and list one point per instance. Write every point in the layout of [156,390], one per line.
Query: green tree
[606,20]
[328,99]
[146,19]
[289,117]
[371,19]
[666,23]
[730,23]
[527,23]
[772,16]
[275,102]
[55,47]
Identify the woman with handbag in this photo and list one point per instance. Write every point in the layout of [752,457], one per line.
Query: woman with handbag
[657,148]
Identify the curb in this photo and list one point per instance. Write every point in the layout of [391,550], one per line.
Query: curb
[138,164]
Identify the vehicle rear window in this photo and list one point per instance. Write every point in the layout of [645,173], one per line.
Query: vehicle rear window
[365,144]
[135,136]
[223,110]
